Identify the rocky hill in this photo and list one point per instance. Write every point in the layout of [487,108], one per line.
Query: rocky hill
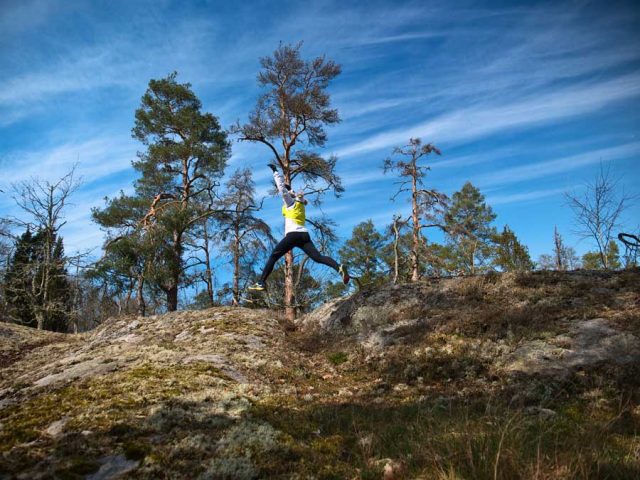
[531,375]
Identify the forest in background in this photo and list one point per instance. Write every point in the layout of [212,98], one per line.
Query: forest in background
[163,242]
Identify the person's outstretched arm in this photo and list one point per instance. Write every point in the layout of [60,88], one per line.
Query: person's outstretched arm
[286,196]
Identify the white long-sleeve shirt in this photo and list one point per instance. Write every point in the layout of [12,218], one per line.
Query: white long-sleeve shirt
[292,210]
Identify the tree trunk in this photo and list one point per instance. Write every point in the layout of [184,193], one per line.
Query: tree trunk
[472,259]
[142,306]
[175,269]
[236,274]
[172,298]
[289,289]
[39,319]
[209,271]
[395,250]
[415,267]
[558,249]
[127,299]
[603,248]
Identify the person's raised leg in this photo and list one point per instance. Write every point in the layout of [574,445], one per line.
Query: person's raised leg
[283,246]
[310,249]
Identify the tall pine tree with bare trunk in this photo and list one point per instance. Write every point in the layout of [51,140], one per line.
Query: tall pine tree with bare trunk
[427,205]
[289,119]
[186,151]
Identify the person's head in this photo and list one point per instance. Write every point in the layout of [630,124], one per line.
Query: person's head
[299,196]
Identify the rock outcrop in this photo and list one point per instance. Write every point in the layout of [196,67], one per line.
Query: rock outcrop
[531,306]
[230,393]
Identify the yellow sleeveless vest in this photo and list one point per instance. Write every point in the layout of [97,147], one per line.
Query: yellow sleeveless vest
[295,213]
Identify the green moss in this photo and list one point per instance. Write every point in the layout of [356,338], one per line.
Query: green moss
[25,435]
[330,445]
[337,358]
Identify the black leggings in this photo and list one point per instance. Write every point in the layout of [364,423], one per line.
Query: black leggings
[296,239]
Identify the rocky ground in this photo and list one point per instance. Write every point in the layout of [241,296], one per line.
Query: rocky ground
[503,376]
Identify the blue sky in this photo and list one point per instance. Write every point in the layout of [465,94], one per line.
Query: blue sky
[523,98]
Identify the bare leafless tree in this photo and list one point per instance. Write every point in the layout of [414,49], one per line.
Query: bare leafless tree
[44,203]
[396,228]
[598,210]
[241,232]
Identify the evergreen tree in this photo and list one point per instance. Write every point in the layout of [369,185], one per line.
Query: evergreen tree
[289,119]
[427,206]
[5,256]
[122,271]
[59,312]
[593,260]
[469,228]
[435,259]
[510,254]
[186,151]
[19,278]
[442,259]
[38,290]
[613,256]
[362,253]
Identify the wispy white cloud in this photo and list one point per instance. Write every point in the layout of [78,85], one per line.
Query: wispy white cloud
[86,69]
[548,168]
[353,178]
[399,38]
[523,196]
[96,158]
[483,120]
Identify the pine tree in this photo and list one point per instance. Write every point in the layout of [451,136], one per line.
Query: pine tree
[593,260]
[469,228]
[186,151]
[19,278]
[289,119]
[122,271]
[435,259]
[510,254]
[60,292]
[362,253]
[427,206]
[613,256]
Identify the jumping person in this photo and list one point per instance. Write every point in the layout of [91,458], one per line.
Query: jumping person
[296,235]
